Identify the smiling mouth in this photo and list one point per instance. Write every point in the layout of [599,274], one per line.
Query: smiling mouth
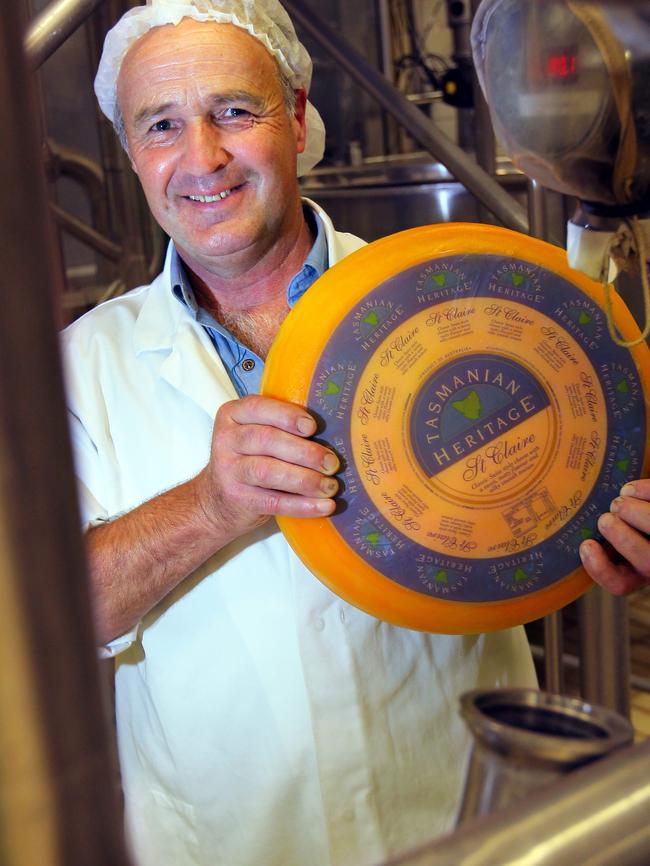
[210,198]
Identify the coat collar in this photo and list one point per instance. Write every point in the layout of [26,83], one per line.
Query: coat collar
[190,363]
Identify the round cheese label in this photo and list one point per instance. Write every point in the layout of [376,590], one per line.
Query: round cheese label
[484,419]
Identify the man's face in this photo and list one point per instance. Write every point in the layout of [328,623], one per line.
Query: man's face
[211,140]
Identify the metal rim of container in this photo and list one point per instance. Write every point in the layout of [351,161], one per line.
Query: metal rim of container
[602,730]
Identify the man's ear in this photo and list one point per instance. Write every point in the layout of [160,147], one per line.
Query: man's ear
[300,126]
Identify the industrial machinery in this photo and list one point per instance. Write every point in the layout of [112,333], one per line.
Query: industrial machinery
[584,65]
[567,87]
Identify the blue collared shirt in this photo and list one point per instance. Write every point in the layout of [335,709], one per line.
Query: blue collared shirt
[244,367]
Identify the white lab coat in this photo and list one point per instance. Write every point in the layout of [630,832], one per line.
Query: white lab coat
[262,721]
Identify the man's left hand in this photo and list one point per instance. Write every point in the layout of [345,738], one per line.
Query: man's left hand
[626,527]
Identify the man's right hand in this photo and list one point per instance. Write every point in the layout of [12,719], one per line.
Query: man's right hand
[263,464]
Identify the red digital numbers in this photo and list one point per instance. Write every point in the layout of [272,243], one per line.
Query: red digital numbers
[561,65]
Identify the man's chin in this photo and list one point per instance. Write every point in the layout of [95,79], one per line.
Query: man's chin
[207,252]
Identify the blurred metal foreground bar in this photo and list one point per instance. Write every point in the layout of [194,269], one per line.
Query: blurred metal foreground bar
[58,801]
[596,816]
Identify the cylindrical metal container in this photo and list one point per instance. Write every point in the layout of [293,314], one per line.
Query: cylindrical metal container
[524,739]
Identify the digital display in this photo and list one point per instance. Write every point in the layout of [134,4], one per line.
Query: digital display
[561,65]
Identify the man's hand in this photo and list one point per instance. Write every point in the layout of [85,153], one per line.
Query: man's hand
[626,528]
[262,464]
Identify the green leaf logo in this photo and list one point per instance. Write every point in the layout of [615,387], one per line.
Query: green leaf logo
[586,533]
[373,538]
[442,577]
[371,318]
[623,464]
[332,388]
[623,387]
[470,407]
[440,279]
[520,575]
[584,318]
[518,278]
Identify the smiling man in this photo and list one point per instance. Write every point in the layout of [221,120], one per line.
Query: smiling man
[211,139]
[260,719]
[215,147]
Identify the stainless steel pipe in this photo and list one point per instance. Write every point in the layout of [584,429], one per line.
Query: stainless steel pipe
[641,684]
[596,816]
[553,651]
[524,739]
[486,189]
[51,27]
[553,636]
[605,650]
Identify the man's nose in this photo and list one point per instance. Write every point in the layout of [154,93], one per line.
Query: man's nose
[204,149]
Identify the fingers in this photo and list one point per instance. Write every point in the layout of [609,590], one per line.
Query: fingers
[269,487]
[631,509]
[259,426]
[263,463]
[254,440]
[275,503]
[627,525]
[631,544]
[619,578]
[274,413]
[639,489]
[278,475]
[626,528]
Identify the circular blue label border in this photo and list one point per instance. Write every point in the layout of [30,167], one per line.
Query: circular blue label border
[449,572]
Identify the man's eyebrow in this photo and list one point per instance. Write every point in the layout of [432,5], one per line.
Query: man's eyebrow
[151,111]
[231,96]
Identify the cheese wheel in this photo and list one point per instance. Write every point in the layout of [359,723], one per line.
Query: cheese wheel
[483,416]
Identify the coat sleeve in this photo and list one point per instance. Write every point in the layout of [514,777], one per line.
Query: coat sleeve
[93,512]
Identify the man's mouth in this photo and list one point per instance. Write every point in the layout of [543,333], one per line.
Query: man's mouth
[210,198]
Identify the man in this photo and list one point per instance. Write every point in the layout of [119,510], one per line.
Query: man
[260,718]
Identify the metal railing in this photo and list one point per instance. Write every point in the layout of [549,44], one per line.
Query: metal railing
[51,27]
[129,245]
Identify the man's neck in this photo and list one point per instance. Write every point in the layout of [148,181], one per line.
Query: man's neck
[250,299]
[252,279]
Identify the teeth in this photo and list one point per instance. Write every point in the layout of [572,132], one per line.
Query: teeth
[209,198]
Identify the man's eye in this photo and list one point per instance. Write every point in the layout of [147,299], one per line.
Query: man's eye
[236,114]
[161,126]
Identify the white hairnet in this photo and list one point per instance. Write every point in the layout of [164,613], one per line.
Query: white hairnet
[266,20]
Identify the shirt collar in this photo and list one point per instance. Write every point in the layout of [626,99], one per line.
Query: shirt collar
[315,264]
[180,283]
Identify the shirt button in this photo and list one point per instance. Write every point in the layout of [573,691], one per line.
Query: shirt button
[247,365]
[319,624]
